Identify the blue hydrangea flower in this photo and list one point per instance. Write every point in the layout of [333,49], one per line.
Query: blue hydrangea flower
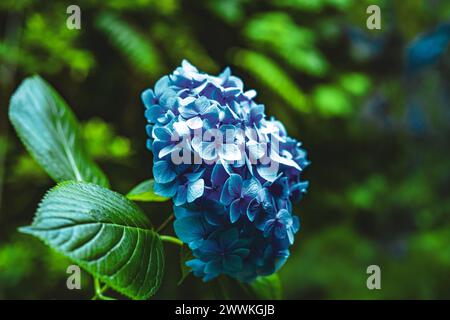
[237,194]
[231,172]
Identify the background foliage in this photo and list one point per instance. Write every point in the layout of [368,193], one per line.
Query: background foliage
[372,108]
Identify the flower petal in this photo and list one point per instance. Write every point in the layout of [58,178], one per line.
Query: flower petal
[195,123]
[208,151]
[235,210]
[181,196]
[230,152]
[251,188]
[163,172]
[165,189]
[195,190]
[232,263]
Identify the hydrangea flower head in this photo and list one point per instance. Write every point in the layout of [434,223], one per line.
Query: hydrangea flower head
[231,172]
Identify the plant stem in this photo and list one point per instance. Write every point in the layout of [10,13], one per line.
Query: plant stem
[99,291]
[165,223]
[171,240]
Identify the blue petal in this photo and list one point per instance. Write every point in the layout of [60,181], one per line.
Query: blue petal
[268,173]
[213,268]
[194,176]
[284,215]
[167,150]
[251,188]
[189,229]
[163,172]
[212,114]
[195,123]
[208,151]
[218,175]
[235,185]
[228,237]
[183,212]
[232,263]
[280,231]
[295,224]
[235,210]
[201,104]
[181,128]
[161,85]
[242,252]
[230,152]
[195,190]
[162,133]
[253,209]
[197,267]
[148,98]
[181,196]
[165,189]
[154,112]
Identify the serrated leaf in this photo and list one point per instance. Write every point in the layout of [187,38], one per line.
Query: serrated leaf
[104,233]
[268,288]
[144,192]
[49,131]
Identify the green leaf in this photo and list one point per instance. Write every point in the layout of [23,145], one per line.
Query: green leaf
[331,101]
[144,192]
[268,288]
[138,49]
[355,83]
[49,130]
[272,76]
[104,233]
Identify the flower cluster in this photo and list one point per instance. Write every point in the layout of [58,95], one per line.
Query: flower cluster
[232,173]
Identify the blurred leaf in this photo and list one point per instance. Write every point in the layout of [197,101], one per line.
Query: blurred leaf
[355,83]
[126,254]
[331,101]
[303,5]
[139,50]
[332,264]
[365,195]
[184,46]
[433,245]
[144,192]
[273,77]
[49,131]
[15,5]
[45,34]
[3,152]
[340,4]
[231,11]
[267,288]
[25,167]
[276,31]
[101,141]
[16,262]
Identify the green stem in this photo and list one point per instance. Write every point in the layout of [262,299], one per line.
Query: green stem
[99,291]
[165,223]
[171,240]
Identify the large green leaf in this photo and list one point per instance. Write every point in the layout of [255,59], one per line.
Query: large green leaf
[268,287]
[104,233]
[49,130]
[144,192]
